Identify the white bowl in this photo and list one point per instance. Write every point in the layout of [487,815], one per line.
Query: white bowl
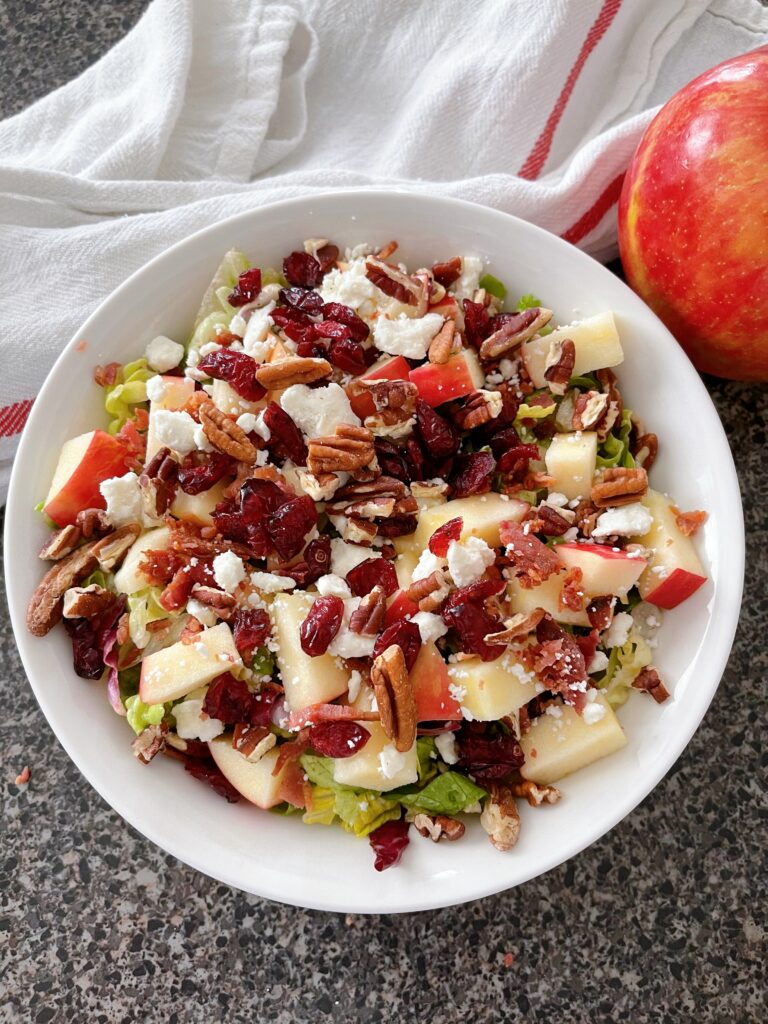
[322,867]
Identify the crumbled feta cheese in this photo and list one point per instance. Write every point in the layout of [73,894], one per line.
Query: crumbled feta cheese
[209,347]
[261,428]
[593,710]
[426,565]
[346,556]
[271,583]
[163,354]
[469,281]
[571,534]
[405,336]
[201,440]
[247,422]
[431,626]
[175,430]
[352,288]
[238,325]
[202,612]
[599,663]
[318,411]
[333,586]
[192,724]
[355,682]
[347,644]
[556,499]
[258,340]
[508,368]
[262,457]
[494,401]
[617,633]
[156,389]
[228,571]
[468,560]
[626,521]
[446,747]
[123,497]
[392,762]
[457,691]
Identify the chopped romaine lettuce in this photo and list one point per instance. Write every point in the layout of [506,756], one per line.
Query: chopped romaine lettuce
[624,664]
[128,391]
[527,302]
[359,810]
[614,450]
[449,793]
[224,280]
[493,286]
[143,607]
[535,412]
[427,763]
[263,662]
[141,715]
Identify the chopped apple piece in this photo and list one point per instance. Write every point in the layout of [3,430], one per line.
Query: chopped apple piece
[444,382]
[430,680]
[492,690]
[306,680]
[254,780]
[547,596]
[128,578]
[555,747]
[178,391]
[197,508]
[595,339]
[401,606]
[364,769]
[405,563]
[483,514]
[571,461]
[674,571]
[225,397]
[85,462]
[605,570]
[449,308]
[177,670]
[387,368]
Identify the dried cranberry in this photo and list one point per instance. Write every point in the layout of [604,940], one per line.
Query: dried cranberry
[333,329]
[543,429]
[472,624]
[302,269]
[473,474]
[448,272]
[208,772]
[286,441]
[247,288]
[515,460]
[237,369]
[289,525]
[338,739]
[475,593]
[405,635]
[502,440]
[486,752]
[302,299]
[477,324]
[86,656]
[397,526]
[443,535]
[344,315]
[588,645]
[177,593]
[316,562]
[321,625]
[348,355]
[228,699]
[392,460]
[199,472]
[373,572]
[310,348]
[250,628]
[441,439]
[388,842]
[284,315]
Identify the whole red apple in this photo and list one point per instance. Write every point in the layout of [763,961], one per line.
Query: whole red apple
[693,218]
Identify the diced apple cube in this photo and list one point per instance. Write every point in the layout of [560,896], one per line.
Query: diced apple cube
[430,680]
[225,397]
[128,578]
[571,460]
[177,670]
[483,514]
[444,382]
[491,690]
[85,462]
[557,746]
[674,570]
[595,339]
[604,570]
[364,769]
[306,680]
[547,596]
[197,508]
[177,392]
[254,780]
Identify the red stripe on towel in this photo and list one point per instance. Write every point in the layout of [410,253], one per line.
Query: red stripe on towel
[589,220]
[13,417]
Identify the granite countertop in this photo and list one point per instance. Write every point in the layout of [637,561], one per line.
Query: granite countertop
[658,921]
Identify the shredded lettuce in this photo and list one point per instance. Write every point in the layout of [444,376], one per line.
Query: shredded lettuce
[425,749]
[614,450]
[624,664]
[493,286]
[323,807]
[143,607]
[129,679]
[534,412]
[359,811]
[224,280]
[263,662]
[272,276]
[141,715]
[449,793]
[527,302]
[128,391]
[100,578]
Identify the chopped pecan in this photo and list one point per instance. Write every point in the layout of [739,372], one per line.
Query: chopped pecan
[92,522]
[294,370]
[477,409]
[429,490]
[149,742]
[46,605]
[395,283]
[649,680]
[600,611]
[225,435]
[387,250]
[442,345]
[106,375]
[430,592]
[514,331]
[645,449]
[112,549]
[532,561]
[398,395]
[517,627]
[368,617]
[619,486]
[548,520]
[60,544]
[439,827]
[394,697]
[253,741]
[688,522]
[85,602]
[360,531]
[163,466]
[350,449]
[589,408]
[535,794]
[221,602]
[586,517]
[156,495]
[319,488]
[500,817]
[448,272]
[559,364]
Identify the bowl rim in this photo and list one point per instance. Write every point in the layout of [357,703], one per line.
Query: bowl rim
[111,795]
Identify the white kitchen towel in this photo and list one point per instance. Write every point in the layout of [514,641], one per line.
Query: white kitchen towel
[209,108]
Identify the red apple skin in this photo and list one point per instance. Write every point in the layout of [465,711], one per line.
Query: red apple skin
[693,218]
[402,607]
[396,369]
[675,589]
[438,383]
[104,457]
[430,681]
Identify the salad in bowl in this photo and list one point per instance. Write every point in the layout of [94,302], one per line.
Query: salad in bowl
[377,546]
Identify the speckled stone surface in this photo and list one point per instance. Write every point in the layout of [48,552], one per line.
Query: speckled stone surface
[659,921]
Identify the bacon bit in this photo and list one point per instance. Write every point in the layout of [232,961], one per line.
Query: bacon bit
[292,786]
[600,611]
[106,375]
[688,522]
[292,750]
[559,662]
[572,594]
[81,346]
[24,776]
[329,713]
[532,561]
[190,631]
[649,680]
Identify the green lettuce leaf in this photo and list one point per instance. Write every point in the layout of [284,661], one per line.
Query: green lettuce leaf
[141,715]
[614,450]
[527,302]
[128,391]
[319,771]
[359,810]
[224,280]
[534,412]
[493,286]
[624,664]
[263,662]
[323,812]
[449,793]
[425,748]
[143,607]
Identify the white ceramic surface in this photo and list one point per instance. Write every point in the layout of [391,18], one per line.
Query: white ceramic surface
[324,867]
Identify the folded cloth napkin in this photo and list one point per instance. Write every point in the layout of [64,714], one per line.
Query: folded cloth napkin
[207,109]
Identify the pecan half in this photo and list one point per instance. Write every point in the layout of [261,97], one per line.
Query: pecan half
[158,483]
[559,364]
[319,488]
[92,522]
[516,330]
[398,395]
[113,548]
[649,680]
[517,627]
[619,486]
[439,827]
[221,602]
[351,448]
[368,617]
[394,697]
[448,272]
[149,742]
[294,370]
[441,347]
[225,435]
[589,408]
[60,544]
[430,592]
[85,602]
[394,283]
[535,794]
[500,817]
[360,531]
[645,449]
[252,741]
[552,522]
[46,605]
[477,409]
